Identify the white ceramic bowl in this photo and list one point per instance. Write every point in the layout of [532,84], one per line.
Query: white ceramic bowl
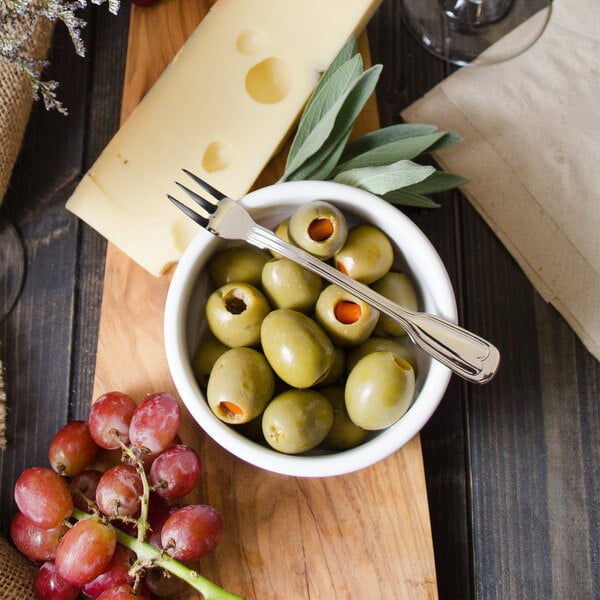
[185,308]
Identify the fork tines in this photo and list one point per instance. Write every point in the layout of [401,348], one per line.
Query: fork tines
[207,205]
[209,188]
[202,221]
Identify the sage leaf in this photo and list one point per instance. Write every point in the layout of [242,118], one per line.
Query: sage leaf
[349,49]
[385,135]
[319,115]
[381,162]
[405,149]
[320,165]
[439,181]
[449,139]
[405,197]
[385,178]
[323,161]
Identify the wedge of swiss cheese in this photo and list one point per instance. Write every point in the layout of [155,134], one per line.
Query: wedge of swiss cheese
[221,109]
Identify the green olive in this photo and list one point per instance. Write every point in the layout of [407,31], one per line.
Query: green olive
[297,421]
[337,369]
[289,285]
[399,289]
[379,390]
[346,319]
[374,344]
[235,313]
[296,347]
[367,254]
[318,227]
[237,264]
[240,385]
[281,231]
[208,351]
[344,433]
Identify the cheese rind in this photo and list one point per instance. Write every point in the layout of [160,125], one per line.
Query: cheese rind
[221,109]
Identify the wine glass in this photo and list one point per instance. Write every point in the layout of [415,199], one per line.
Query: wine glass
[464,32]
[12,265]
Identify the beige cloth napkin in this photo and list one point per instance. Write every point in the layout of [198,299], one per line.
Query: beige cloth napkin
[531,148]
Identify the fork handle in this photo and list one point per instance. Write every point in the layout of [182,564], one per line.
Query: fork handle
[465,353]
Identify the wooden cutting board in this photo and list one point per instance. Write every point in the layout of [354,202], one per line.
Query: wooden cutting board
[361,536]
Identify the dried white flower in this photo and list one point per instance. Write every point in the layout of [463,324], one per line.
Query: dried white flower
[17,22]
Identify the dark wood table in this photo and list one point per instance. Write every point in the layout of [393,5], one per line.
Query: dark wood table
[513,467]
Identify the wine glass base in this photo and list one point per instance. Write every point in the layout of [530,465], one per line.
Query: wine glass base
[475,44]
[12,265]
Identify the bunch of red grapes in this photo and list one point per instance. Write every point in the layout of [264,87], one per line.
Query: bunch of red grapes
[111,534]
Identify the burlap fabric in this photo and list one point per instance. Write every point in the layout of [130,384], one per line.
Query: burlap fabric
[16,102]
[16,574]
[2,406]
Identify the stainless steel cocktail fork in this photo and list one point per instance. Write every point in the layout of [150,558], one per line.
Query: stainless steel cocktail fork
[465,353]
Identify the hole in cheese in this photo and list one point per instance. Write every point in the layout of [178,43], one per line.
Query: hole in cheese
[217,157]
[183,231]
[250,41]
[268,81]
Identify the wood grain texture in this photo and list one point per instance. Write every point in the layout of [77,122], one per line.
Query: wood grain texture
[285,537]
[512,468]
[46,337]
[536,518]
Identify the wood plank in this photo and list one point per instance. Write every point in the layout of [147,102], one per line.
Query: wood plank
[109,44]
[319,523]
[409,72]
[534,441]
[36,336]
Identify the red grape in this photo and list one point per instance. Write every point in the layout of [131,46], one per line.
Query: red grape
[83,489]
[164,585]
[116,573]
[119,491]
[192,532]
[175,472]
[86,558]
[33,541]
[156,522]
[121,592]
[49,585]
[158,509]
[155,422]
[86,550]
[43,497]
[72,449]
[110,415]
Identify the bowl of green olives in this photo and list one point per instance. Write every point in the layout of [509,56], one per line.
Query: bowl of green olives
[289,372]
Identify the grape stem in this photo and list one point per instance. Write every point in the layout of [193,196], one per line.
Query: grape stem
[142,522]
[148,554]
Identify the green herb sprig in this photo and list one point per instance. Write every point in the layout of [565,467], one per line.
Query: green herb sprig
[380,162]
